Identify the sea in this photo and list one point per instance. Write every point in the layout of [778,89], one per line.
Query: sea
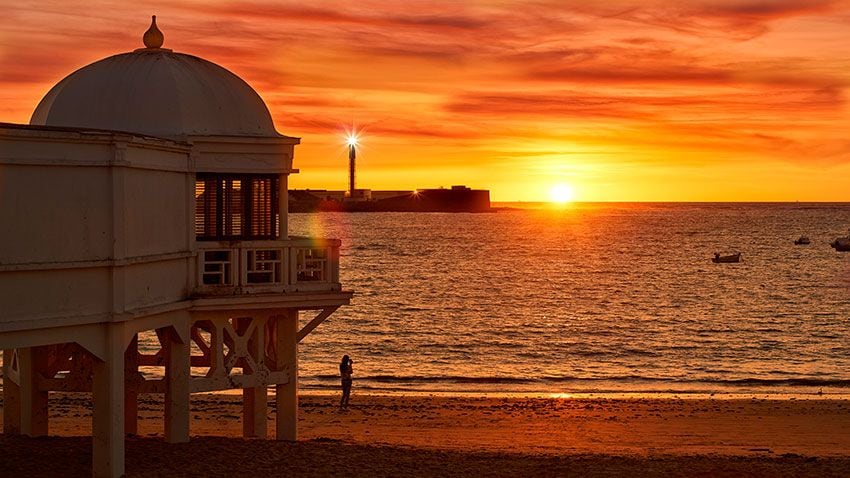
[588,298]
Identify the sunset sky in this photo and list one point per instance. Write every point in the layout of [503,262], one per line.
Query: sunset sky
[621,100]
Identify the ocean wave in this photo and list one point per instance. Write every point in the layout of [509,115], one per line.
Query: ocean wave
[782,382]
[432,379]
[633,379]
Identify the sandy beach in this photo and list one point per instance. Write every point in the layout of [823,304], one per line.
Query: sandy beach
[477,436]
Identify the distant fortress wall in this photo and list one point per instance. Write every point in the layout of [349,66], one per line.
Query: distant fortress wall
[456,199]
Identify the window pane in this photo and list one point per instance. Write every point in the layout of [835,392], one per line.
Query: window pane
[262,207]
[234,207]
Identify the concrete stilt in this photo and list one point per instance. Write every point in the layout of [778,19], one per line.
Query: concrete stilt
[177,389]
[286,395]
[108,413]
[254,399]
[11,397]
[254,412]
[31,361]
[131,393]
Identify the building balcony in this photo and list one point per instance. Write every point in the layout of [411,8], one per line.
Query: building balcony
[297,264]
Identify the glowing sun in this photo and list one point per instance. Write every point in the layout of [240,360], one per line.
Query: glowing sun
[561,193]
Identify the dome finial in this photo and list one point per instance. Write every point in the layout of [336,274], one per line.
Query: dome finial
[153,38]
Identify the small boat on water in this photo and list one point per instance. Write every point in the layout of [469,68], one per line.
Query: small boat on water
[803,241]
[726,258]
[841,244]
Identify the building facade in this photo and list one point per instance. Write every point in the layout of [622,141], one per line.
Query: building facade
[148,195]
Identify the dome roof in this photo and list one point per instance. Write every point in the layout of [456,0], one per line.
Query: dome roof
[156,92]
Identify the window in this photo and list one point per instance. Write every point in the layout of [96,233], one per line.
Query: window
[235,207]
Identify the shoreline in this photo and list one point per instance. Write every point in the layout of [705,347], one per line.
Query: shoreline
[814,394]
[601,395]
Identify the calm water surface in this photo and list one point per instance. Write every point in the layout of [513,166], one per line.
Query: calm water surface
[591,298]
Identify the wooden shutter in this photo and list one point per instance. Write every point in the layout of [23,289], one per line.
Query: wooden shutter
[263,207]
[236,207]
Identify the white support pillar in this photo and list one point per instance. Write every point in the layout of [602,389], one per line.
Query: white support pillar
[11,397]
[33,404]
[286,395]
[177,375]
[254,399]
[108,413]
[255,412]
[131,393]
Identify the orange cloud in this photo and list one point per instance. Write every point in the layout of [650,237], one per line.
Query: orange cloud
[509,94]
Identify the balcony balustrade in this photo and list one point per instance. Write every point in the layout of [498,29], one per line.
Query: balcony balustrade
[298,264]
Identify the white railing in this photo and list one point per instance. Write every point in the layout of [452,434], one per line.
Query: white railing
[298,264]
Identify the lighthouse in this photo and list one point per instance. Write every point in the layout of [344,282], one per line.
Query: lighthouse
[352,156]
[354,194]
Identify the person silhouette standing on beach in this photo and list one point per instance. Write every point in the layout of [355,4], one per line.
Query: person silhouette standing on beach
[345,371]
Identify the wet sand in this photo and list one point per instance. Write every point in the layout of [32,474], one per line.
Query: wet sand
[453,436]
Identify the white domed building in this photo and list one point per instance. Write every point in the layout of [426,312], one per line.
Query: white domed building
[147,201]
